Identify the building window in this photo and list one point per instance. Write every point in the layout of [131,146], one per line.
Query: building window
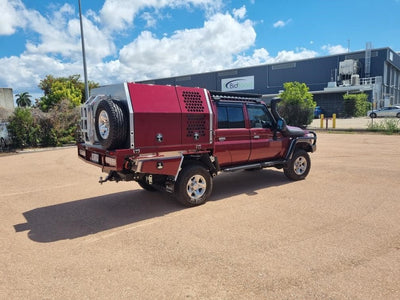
[284,66]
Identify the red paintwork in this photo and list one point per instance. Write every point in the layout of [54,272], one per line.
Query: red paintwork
[178,114]
[170,166]
[162,110]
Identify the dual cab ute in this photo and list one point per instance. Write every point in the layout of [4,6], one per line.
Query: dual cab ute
[176,139]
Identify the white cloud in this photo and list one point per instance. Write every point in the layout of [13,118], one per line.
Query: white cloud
[223,41]
[239,13]
[11,17]
[301,53]
[189,50]
[336,49]
[151,21]
[118,15]
[280,23]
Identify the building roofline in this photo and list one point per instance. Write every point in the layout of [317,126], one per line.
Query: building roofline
[270,64]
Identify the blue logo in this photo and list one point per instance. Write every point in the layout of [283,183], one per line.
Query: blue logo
[233,84]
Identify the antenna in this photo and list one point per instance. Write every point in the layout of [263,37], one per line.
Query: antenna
[83,54]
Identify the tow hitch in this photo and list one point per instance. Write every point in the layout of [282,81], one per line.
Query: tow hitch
[112,176]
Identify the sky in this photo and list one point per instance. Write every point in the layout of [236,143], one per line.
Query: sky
[133,40]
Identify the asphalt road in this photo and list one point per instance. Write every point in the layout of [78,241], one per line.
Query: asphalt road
[335,235]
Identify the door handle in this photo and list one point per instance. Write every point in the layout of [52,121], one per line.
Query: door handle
[222,138]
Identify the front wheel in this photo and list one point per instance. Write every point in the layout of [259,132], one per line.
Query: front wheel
[299,166]
[194,185]
[398,115]
[372,115]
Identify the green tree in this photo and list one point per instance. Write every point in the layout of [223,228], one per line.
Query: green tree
[23,99]
[356,105]
[56,89]
[297,105]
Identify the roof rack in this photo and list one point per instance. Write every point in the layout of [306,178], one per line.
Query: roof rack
[229,96]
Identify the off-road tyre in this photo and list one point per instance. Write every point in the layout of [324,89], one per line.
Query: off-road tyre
[299,166]
[194,185]
[111,124]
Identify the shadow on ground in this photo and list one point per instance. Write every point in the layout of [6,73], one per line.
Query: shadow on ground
[92,215]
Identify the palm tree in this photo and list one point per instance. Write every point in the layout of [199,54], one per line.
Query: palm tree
[23,99]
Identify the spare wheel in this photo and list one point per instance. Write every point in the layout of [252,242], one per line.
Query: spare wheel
[111,124]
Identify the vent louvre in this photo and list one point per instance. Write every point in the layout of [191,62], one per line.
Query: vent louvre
[193,101]
[196,124]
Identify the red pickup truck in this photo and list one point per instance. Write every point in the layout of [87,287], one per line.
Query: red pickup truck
[176,139]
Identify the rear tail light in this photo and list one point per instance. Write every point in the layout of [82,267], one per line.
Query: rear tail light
[111,161]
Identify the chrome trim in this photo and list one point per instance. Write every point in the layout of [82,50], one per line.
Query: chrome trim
[211,115]
[131,116]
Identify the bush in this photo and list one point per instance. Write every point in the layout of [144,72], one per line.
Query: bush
[356,105]
[297,106]
[22,128]
[33,127]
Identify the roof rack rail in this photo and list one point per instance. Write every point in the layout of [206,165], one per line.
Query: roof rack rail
[229,96]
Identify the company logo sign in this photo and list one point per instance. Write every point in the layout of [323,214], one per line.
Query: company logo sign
[237,84]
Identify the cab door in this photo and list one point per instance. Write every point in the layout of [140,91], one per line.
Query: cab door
[263,145]
[232,138]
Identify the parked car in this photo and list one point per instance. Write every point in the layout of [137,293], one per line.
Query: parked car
[387,111]
[4,137]
[317,112]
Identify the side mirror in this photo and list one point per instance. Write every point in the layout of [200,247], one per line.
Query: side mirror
[281,124]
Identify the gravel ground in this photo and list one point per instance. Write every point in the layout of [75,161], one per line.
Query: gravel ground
[335,235]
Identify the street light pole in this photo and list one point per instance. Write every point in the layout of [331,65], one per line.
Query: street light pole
[83,54]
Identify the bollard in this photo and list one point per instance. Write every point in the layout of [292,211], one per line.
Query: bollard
[322,120]
[334,121]
[327,123]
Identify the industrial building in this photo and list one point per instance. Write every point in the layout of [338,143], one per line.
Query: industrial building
[373,71]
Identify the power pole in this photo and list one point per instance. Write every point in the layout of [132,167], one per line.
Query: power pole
[83,54]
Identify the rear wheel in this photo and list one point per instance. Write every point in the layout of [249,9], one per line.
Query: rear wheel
[299,166]
[372,115]
[398,115]
[194,185]
[110,124]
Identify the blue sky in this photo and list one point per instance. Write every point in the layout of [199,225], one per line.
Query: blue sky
[128,40]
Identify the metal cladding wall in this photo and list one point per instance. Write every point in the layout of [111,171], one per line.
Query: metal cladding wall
[269,79]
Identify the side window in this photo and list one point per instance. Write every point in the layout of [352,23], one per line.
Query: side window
[230,116]
[222,117]
[259,116]
[236,117]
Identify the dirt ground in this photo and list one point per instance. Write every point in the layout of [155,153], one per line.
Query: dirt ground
[335,235]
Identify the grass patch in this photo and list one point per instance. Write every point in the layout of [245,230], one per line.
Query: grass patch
[387,126]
